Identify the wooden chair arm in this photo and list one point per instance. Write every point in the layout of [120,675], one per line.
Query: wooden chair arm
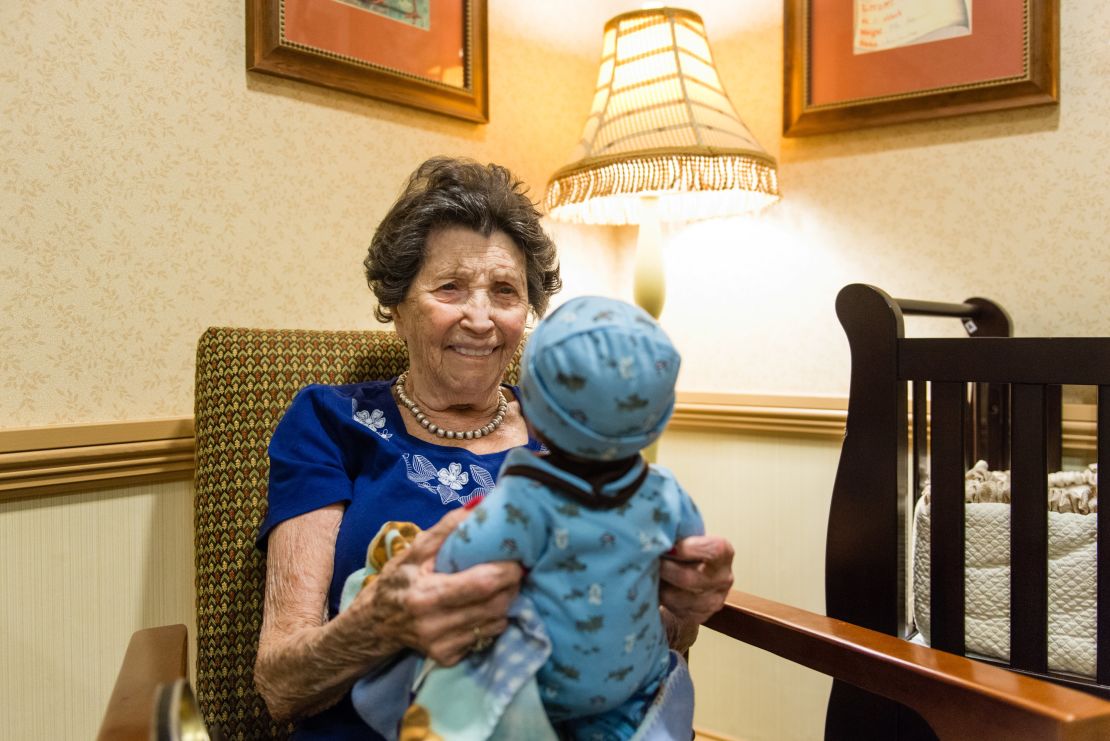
[958,697]
[154,656]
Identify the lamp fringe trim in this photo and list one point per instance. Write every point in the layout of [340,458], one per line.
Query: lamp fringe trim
[664,173]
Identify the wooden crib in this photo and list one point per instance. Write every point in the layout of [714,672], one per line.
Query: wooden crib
[926,409]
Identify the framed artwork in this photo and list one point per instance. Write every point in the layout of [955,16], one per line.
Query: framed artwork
[428,54]
[849,64]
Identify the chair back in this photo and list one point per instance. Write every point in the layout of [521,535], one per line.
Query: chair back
[245,378]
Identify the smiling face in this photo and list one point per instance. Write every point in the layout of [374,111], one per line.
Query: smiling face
[463,316]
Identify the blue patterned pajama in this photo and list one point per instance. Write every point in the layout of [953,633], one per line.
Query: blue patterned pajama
[593,575]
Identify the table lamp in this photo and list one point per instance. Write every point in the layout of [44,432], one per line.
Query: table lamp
[662,143]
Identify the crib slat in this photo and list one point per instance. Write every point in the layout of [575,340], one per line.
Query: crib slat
[1029,530]
[1102,548]
[971,427]
[980,425]
[920,436]
[1054,411]
[991,410]
[1000,425]
[946,545]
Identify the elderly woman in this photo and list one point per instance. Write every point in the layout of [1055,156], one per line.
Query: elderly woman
[457,264]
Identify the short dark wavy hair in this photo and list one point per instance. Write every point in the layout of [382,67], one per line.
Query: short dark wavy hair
[445,192]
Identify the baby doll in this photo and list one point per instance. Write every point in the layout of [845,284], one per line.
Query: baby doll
[590,519]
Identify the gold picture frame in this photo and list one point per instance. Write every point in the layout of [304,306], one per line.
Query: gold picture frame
[427,54]
[829,85]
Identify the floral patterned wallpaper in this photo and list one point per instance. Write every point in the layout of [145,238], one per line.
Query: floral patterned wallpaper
[150,187]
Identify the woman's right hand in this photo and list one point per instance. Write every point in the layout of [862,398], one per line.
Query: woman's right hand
[306,663]
[439,615]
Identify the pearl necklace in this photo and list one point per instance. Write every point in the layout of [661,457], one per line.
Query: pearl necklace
[432,427]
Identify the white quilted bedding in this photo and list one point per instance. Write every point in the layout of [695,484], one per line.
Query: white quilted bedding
[1071,567]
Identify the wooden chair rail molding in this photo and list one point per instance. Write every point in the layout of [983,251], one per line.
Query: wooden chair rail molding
[58,459]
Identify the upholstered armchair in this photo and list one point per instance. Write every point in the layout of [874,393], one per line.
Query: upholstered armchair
[244,380]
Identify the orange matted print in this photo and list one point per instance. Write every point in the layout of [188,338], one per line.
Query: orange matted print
[341,29]
[994,50]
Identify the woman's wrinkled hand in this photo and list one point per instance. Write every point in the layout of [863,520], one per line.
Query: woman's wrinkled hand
[442,616]
[694,582]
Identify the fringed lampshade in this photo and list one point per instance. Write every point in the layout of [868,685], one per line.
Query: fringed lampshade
[661,127]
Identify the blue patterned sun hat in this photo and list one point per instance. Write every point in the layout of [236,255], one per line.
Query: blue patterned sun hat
[597,378]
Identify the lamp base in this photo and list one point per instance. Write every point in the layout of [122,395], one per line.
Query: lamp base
[649,287]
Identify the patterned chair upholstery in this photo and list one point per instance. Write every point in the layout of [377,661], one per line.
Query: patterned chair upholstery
[245,378]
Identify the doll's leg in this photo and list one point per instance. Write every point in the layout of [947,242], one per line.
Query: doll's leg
[617,724]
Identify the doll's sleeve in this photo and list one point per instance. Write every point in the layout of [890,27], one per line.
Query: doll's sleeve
[509,525]
[689,519]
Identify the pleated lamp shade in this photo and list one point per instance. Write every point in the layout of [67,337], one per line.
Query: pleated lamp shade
[661,125]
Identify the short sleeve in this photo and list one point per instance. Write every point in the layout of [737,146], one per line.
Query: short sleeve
[509,525]
[689,518]
[308,467]
[688,521]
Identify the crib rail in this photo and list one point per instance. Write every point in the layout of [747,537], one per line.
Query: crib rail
[1033,360]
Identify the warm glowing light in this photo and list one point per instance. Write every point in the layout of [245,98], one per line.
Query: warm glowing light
[661,125]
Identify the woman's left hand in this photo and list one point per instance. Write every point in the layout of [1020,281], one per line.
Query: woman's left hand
[694,581]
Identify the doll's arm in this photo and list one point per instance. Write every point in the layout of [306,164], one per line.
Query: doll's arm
[509,525]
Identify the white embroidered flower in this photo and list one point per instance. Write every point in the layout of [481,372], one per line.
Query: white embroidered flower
[374,420]
[594,597]
[562,538]
[453,476]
